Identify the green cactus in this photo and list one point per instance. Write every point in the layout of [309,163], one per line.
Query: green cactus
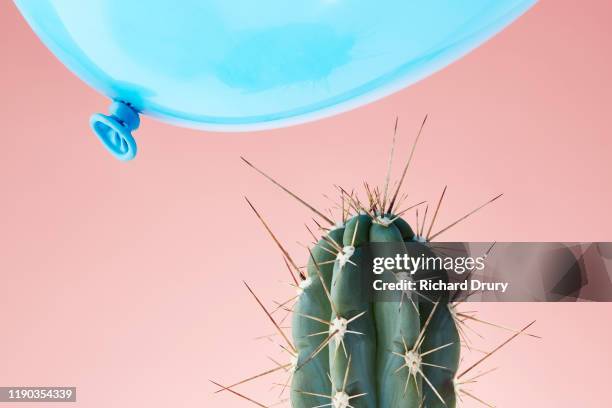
[350,352]
[386,354]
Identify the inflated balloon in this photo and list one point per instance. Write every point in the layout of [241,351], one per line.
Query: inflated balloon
[246,64]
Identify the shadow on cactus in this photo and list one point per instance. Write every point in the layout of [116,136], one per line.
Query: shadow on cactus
[349,352]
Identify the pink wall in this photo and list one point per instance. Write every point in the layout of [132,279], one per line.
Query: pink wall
[125,279]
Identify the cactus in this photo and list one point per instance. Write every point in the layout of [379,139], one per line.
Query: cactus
[387,354]
[350,352]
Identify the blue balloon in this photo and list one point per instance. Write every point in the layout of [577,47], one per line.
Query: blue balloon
[254,64]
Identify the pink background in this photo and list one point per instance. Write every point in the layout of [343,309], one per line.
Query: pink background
[125,279]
